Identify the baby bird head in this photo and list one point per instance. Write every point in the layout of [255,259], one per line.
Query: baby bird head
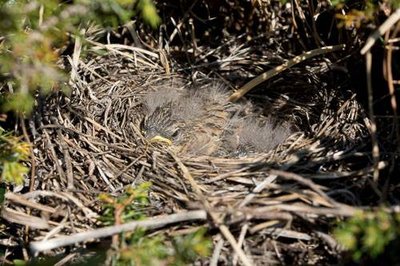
[160,123]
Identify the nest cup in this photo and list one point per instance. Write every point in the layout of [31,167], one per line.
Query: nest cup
[99,142]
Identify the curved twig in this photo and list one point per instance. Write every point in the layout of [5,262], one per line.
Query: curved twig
[275,71]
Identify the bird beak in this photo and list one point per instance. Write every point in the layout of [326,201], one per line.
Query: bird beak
[160,139]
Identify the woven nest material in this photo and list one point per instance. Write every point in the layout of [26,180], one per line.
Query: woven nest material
[94,141]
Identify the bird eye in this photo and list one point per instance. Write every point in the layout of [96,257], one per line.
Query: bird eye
[175,134]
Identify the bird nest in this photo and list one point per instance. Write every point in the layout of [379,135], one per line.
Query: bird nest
[269,186]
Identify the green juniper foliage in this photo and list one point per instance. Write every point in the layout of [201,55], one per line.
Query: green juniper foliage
[33,33]
[138,247]
[13,152]
[128,207]
[369,234]
[142,249]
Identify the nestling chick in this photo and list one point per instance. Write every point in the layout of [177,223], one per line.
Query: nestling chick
[201,121]
[249,135]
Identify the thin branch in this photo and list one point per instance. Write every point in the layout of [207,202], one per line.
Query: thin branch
[389,22]
[152,223]
[275,71]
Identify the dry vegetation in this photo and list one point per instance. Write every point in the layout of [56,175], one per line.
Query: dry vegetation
[275,205]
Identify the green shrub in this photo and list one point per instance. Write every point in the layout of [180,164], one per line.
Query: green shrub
[13,152]
[138,247]
[368,235]
[34,33]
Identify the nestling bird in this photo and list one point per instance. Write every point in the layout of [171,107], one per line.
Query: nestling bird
[201,121]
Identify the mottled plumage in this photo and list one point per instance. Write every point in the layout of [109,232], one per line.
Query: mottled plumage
[202,122]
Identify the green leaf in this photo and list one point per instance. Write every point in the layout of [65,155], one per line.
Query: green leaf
[19,262]
[21,102]
[149,13]
[13,172]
